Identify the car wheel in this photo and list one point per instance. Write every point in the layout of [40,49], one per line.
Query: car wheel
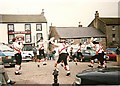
[12,65]
[27,61]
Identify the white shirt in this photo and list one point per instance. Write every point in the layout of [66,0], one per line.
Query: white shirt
[62,47]
[41,44]
[97,47]
[17,47]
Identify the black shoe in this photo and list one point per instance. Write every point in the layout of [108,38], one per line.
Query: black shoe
[17,73]
[38,65]
[90,66]
[67,74]
[44,64]
[11,82]
[99,67]
[105,67]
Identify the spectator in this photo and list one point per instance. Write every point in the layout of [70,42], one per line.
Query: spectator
[5,76]
[35,53]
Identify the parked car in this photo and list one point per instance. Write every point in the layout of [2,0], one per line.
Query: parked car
[27,53]
[26,57]
[112,55]
[87,52]
[7,55]
[96,76]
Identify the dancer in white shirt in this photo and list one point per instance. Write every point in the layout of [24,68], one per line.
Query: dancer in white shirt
[17,46]
[99,53]
[63,54]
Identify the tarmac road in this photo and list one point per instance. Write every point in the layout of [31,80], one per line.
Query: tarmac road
[31,74]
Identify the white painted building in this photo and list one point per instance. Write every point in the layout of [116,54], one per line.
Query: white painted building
[32,27]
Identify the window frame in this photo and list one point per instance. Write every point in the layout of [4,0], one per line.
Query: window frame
[10,30]
[28,38]
[38,37]
[113,28]
[40,25]
[10,39]
[27,28]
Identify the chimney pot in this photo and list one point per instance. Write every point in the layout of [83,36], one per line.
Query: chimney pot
[79,25]
[96,14]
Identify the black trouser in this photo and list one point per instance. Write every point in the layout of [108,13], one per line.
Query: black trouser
[100,57]
[18,58]
[41,54]
[63,57]
[79,54]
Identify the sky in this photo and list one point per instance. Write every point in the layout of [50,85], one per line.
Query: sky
[62,13]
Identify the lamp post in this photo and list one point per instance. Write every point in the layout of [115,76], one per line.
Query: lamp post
[55,73]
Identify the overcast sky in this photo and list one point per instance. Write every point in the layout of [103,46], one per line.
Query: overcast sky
[62,13]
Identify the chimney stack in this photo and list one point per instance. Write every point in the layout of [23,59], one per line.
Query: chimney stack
[42,13]
[79,25]
[96,14]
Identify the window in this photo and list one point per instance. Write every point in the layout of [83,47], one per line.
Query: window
[27,27]
[70,41]
[10,37]
[113,37]
[27,38]
[38,36]
[113,28]
[10,27]
[38,27]
[83,40]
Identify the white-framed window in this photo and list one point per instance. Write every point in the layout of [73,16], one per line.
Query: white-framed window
[10,27]
[38,36]
[10,37]
[27,27]
[38,27]
[27,38]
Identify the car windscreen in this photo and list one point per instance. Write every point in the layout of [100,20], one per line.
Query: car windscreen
[27,48]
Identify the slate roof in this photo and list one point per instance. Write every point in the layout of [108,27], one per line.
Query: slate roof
[110,21]
[76,32]
[14,18]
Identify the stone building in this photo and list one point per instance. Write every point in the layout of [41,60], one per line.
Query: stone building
[110,27]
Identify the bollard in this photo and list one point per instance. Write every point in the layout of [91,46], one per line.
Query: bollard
[55,73]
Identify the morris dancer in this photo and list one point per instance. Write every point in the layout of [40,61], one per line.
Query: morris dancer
[17,46]
[99,53]
[63,54]
[41,52]
[42,56]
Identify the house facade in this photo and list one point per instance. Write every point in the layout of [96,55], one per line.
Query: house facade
[32,27]
[110,27]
